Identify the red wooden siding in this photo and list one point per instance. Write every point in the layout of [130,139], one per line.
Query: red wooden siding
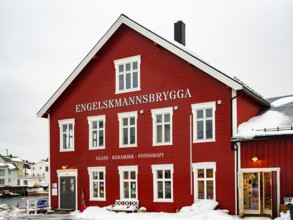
[246,108]
[160,71]
[271,153]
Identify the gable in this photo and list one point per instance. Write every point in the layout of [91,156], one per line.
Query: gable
[157,40]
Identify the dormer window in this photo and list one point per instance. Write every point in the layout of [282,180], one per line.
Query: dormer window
[127,74]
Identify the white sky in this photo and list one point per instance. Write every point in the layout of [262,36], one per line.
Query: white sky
[41,42]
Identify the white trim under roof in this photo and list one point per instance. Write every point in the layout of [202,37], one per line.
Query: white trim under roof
[180,52]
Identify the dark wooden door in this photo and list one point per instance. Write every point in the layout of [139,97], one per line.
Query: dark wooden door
[67,192]
[274,195]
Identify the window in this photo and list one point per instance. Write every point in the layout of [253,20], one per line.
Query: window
[127,74]
[163,182]
[127,129]
[97,183]
[2,172]
[128,182]
[204,180]
[162,126]
[47,169]
[97,132]
[204,121]
[66,134]
[25,182]
[2,181]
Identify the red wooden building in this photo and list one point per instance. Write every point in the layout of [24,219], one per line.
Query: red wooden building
[142,118]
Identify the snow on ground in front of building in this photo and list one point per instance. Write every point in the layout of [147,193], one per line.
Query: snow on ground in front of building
[103,214]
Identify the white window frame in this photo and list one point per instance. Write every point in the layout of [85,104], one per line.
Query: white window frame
[163,167]
[92,119]
[205,166]
[122,116]
[66,122]
[125,61]
[129,169]
[155,113]
[203,106]
[91,170]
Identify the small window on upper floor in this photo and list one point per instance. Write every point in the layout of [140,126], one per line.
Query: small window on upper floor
[204,122]
[66,135]
[127,74]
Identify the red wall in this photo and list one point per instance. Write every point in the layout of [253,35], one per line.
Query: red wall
[160,71]
[246,108]
[271,153]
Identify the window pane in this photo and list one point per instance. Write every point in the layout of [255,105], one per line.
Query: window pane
[167,133]
[121,82]
[134,65]
[160,190]
[167,174]
[125,136]
[125,175]
[125,121]
[121,68]
[127,66]
[126,190]
[135,80]
[128,81]
[95,144]
[64,128]
[70,141]
[132,175]
[200,189]
[199,113]
[101,175]
[159,134]
[65,141]
[210,189]
[101,124]
[200,130]
[70,127]
[200,173]
[209,129]
[209,173]
[168,190]
[159,174]
[159,118]
[133,190]
[167,117]
[94,124]
[101,138]
[95,189]
[132,121]
[95,175]
[102,190]
[132,135]
[209,113]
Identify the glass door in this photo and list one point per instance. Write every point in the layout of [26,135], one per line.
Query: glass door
[251,192]
[267,193]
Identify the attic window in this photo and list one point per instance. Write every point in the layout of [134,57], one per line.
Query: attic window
[127,74]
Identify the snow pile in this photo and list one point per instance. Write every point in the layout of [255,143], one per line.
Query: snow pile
[284,216]
[202,210]
[268,120]
[9,211]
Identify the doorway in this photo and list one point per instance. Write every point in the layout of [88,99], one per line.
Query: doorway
[258,192]
[67,192]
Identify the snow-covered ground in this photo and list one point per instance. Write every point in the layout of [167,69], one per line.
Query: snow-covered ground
[194,212]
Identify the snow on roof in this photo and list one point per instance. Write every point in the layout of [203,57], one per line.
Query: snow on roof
[282,101]
[11,166]
[16,159]
[278,120]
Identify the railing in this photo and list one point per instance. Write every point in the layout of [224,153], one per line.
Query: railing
[288,128]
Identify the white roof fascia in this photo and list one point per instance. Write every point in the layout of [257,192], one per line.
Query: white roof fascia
[147,33]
